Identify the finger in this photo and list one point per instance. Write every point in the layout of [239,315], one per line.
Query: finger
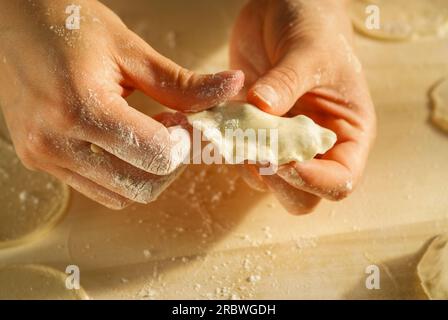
[174,86]
[132,136]
[327,108]
[251,177]
[172,119]
[90,189]
[333,176]
[249,56]
[112,173]
[277,91]
[293,200]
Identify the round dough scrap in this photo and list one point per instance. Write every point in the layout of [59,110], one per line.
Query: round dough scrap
[402,19]
[298,139]
[433,269]
[439,97]
[31,202]
[36,282]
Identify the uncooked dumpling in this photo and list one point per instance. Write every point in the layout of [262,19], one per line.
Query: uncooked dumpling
[36,282]
[433,269]
[403,19]
[299,138]
[31,202]
[439,98]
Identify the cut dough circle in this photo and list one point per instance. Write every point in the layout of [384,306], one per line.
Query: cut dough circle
[36,282]
[31,202]
[433,269]
[402,19]
[298,138]
[439,97]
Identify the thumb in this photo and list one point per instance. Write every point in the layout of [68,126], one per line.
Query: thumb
[174,86]
[277,90]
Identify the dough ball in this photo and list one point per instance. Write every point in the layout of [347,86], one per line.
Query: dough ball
[297,139]
[402,19]
[433,269]
[36,282]
[31,202]
[439,97]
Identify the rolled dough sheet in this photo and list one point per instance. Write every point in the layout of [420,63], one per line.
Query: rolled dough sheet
[433,269]
[402,19]
[439,97]
[31,202]
[36,282]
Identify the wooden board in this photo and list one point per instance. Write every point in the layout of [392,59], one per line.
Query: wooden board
[208,234]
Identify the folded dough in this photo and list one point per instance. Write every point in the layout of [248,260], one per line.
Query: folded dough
[287,139]
[433,269]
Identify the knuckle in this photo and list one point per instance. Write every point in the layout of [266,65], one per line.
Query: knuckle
[150,190]
[159,158]
[184,78]
[69,118]
[134,188]
[81,106]
[144,192]
[160,162]
[38,144]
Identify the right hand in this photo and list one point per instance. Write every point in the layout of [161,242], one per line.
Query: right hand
[63,90]
[298,60]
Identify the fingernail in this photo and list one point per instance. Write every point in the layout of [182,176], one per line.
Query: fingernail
[267,94]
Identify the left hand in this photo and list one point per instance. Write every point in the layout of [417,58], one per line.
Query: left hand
[298,59]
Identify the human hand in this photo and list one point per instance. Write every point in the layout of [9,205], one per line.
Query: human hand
[297,59]
[63,92]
